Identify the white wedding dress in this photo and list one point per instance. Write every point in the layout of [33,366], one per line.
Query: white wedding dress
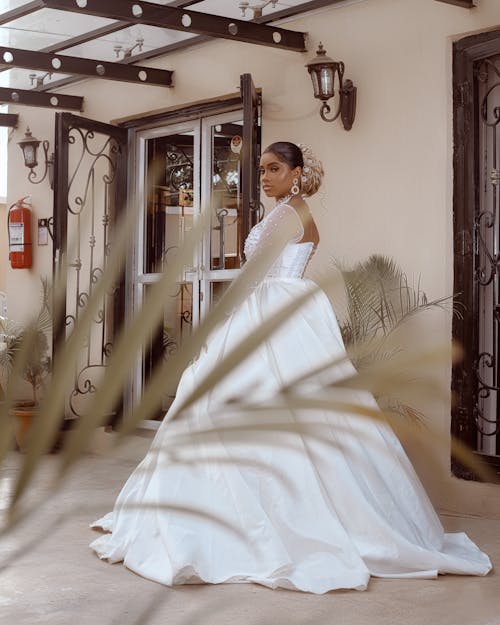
[292,511]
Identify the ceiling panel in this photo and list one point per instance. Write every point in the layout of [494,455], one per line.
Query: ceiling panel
[46,27]
[56,23]
[56,30]
[232,8]
[219,7]
[114,46]
[8,5]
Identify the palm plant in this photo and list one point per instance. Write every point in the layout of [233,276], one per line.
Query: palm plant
[9,344]
[379,301]
[30,344]
[38,362]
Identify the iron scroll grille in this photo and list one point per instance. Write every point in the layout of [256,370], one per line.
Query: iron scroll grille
[89,197]
[475,413]
[487,261]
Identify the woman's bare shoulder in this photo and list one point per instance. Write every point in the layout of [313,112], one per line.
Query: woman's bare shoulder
[302,209]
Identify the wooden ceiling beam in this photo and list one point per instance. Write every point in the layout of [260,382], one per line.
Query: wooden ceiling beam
[142,56]
[78,39]
[49,62]
[184,20]
[25,9]
[466,4]
[9,119]
[27,97]
[162,50]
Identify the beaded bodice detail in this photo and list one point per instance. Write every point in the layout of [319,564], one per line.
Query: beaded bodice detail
[293,260]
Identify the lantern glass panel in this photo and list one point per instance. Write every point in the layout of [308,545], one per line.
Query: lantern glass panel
[326,81]
[29,151]
[315,82]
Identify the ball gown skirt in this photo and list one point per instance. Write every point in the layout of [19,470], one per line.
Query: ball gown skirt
[292,512]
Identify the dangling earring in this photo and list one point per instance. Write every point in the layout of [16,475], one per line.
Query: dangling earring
[295,187]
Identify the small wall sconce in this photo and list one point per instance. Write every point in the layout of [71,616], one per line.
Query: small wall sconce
[29,146]
[323,70]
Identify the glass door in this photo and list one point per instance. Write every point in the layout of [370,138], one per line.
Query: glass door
[221,139]
[183,170]
[168,189]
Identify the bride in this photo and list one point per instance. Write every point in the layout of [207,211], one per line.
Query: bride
[279,509]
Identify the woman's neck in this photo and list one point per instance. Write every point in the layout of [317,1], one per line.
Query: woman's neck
[283,200]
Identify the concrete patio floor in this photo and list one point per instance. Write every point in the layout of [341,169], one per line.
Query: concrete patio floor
[58,580]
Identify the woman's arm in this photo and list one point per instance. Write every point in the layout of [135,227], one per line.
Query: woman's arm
[283,225]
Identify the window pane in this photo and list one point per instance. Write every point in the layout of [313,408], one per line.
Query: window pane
[169,192]
[226,195]
[168,336]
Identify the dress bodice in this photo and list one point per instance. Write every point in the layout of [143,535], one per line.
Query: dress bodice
[293,260]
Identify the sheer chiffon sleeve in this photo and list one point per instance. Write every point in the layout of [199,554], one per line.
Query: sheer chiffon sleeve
[264,244]
[281,226]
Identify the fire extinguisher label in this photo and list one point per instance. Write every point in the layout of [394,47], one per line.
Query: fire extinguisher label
[16,237]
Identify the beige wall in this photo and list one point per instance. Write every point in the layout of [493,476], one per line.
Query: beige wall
[388,184]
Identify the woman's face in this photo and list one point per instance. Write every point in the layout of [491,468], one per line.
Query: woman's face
[276,177]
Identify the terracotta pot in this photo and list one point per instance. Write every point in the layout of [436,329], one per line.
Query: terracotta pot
[24,413]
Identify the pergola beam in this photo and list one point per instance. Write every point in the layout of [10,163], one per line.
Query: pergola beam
[466,4]
[28,97]
[101,32]
[143,56]
[21,11]
[185,20]
[291,11]
[9,119]
[48,62]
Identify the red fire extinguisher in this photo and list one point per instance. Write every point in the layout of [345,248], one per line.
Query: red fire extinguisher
[19,228]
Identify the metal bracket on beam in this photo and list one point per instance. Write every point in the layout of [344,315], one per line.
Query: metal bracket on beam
[466,4]
[35,98]
[136,12]
[50,62]
[9,119]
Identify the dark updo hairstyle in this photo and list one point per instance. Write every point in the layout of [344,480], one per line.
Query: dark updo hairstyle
[287,152]
[299,156]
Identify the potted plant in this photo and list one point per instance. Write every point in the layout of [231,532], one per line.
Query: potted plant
[30,344]
[379,301]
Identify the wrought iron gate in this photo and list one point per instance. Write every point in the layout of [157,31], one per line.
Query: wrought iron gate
[90,187]
[487,260]
[476,381]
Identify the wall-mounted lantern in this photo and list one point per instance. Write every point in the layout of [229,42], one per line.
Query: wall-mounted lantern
[325,72]
[29,146]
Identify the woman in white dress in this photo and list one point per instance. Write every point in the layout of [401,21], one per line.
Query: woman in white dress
[292,511]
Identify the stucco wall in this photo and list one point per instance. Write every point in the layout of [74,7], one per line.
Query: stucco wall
[388,184]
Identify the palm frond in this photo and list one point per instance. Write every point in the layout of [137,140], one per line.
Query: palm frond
[380,299]
[377,305]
